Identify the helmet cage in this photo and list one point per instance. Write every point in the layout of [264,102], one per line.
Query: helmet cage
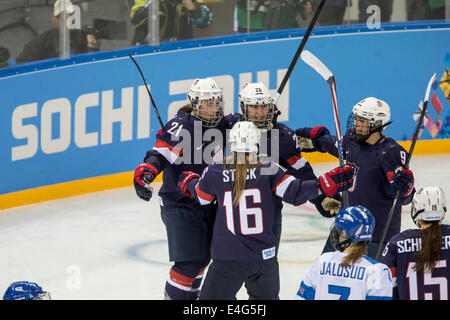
[335,238]
[206,90]
[256,95]
[375,111]
[374,126]
[209,119]
[358,224]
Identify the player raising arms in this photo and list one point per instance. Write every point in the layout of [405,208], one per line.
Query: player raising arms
[378,160]
[419,258]
[180,147]
[348,274]
[244,246]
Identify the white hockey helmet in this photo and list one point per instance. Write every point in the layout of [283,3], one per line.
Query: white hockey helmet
[257,94]
[63,5]
[206,90]
[375,110]
[429,204]
[244,137]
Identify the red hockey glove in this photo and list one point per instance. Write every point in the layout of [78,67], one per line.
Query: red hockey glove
[144,174]
[337,180]
[183,182]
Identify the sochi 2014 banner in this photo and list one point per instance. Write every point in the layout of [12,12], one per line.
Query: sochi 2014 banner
[95,118]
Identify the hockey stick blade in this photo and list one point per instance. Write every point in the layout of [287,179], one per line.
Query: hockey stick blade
[317,65]
[430,84]
[421,119]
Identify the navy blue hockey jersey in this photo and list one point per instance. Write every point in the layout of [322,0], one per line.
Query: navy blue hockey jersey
[284,140]
[245,232]
[400,256]
[375,166]
[184,145]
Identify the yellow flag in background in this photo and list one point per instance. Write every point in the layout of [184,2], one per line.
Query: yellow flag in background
[445,84]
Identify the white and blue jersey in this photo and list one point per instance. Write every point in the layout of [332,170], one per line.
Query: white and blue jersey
[327,279]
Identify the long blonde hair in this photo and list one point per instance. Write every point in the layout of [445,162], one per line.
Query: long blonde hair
[355,252]
[241,163]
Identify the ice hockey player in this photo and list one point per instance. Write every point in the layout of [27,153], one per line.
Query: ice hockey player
[379,163]
[279,142]
[347,273]
[244,246]
[183,146]
[418,258]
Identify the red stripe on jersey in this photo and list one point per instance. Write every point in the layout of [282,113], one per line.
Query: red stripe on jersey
[390,176]
[281,180]
[293,160]
[394,271]
[161,144]
[180,279]
[201,272]
[205,196]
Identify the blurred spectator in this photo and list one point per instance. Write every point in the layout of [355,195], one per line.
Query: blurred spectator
[5,60]
[46,45]
[272,14]
[332,13]
[385,9]
[416,9]
[435,10]
[176,19]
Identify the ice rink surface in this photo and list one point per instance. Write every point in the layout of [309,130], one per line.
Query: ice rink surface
[112,245]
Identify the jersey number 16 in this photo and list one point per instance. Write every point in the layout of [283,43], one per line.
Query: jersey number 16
[244,212]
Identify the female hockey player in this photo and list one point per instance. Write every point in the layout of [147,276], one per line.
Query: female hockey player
[378,160]
[185,144]
[348,274]
[419,258]
[244,246]
[279,142]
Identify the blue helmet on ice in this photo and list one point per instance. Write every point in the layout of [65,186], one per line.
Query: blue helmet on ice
[24,290]
[353,224]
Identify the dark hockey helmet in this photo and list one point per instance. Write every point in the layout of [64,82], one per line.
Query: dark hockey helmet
[25,290]
[352,224]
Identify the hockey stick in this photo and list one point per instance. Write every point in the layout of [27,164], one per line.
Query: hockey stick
[146,87]
[408,158]
[325,73]
[299,51]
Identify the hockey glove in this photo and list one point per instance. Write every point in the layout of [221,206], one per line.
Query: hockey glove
[403,181]
[307,137]
[183,182]
[331,205]
[144,174]
[337,180]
